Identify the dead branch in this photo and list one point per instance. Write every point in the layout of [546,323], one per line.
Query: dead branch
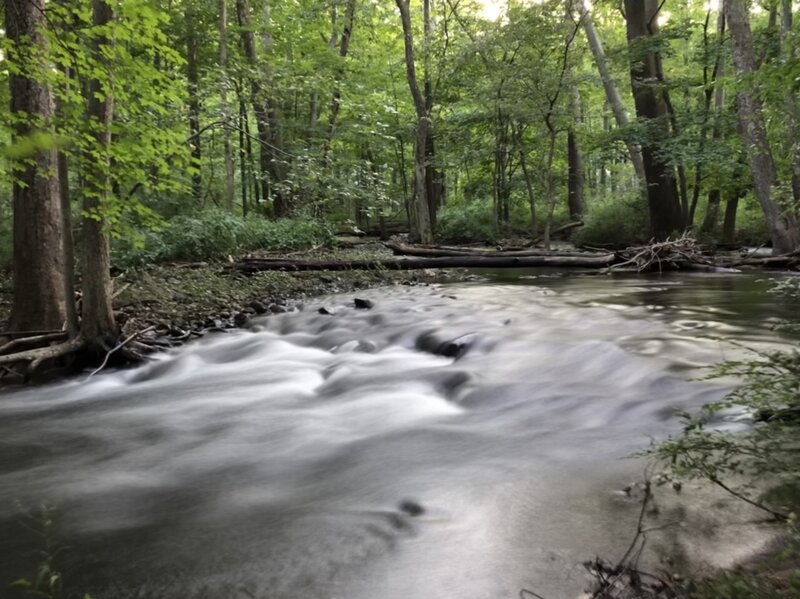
[117,347]
[658,255]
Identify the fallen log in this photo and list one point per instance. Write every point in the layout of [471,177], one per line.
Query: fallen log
[258,265]
[427,251]
[785,261]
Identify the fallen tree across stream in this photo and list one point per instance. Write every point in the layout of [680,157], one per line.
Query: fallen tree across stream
[683,253]
[253,265]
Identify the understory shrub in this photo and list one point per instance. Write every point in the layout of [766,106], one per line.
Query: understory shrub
[215,235]
[618,221]
[472,221]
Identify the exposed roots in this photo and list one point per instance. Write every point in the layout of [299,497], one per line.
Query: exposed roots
[34,357]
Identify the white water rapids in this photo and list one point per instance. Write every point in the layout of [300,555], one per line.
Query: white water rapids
[290,461]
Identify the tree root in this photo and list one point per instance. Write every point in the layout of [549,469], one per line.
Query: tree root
[34,357]
[21,342]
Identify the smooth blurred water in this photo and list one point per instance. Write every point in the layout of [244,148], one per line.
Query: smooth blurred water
[274,463]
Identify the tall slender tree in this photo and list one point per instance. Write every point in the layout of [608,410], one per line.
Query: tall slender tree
[97,324]
[423,229]
[781,219]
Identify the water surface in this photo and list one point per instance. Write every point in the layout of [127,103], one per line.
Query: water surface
[463,440]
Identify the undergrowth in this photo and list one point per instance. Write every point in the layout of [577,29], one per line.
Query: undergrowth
[215,235]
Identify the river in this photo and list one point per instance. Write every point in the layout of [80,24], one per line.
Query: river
[342,456]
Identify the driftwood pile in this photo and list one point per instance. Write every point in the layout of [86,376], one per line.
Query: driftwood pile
[683,253]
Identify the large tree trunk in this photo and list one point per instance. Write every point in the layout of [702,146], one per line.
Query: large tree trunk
[789,55]
[193,80]
[434,179]
[97,323]
[39,301]
[226,116]
[574,160]
[781,221]
[662,191]
[612,91]
[423,227]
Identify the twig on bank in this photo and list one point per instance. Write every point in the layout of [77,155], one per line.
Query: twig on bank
[119,346]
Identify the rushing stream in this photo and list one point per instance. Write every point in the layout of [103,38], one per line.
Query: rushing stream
[343,456]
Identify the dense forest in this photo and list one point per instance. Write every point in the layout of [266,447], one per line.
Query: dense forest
[141,131]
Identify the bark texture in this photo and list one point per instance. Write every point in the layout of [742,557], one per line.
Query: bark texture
[662,191]
[781,221]
[38,235]
[422,216]
[97,323]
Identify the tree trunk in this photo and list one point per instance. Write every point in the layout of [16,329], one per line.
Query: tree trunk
[574,160]
[781,221]
[434,179]
[39,264]
[612,92]
[422,212]
[270,143]
[662,191]
[729,224]
[226,130]
[788,55]
[336,99]
[97,324]
[193,80]
[713,90]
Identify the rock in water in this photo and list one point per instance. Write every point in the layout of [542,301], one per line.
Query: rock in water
[363,304]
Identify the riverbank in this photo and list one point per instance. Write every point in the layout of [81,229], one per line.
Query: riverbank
[175,302]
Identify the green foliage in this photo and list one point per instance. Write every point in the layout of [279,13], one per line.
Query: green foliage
[616,221]
[751,434]
[749,585]
[466,222]
[47,582]
[215,235]
[751,228]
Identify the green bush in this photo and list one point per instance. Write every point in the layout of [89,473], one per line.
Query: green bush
[465,222]
[619,221]
[751,226]
[214,235]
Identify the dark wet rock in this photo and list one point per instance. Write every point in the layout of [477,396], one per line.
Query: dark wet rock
[277,308]
[453,348]
[328,310]
[241,319]
[363,304]
[258,307]
[411,507]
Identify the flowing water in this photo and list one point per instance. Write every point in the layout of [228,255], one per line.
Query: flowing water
[456,441]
